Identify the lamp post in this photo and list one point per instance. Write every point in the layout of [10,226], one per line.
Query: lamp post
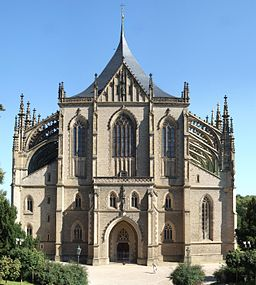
[247,244]
[78,252]
[188,255]
[19,242]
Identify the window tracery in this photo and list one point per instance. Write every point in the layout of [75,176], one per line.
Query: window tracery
[124,145]
[123,137]
[123,235]
[169,148]
[79,148]
[168,233]
[78,233]
[206,218]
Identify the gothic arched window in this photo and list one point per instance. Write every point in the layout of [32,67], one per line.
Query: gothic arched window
[123,137]
[168,233]
[123,235]
[206,218]
[78,201]
[29,230]
[112,200]
[135,200]
[168,202]
[169,149]
[78,233]
[29,204]
[79,148]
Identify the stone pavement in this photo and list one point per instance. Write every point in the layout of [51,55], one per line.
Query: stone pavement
[132,274]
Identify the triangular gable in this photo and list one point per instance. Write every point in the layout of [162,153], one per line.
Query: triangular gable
[123,87]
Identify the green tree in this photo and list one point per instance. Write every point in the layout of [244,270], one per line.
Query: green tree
[247,228]
[33,262]
[9,269]
[9,229]
[1,176]
[2,107]
[241,208]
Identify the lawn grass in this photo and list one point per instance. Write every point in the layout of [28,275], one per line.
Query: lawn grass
[15,283]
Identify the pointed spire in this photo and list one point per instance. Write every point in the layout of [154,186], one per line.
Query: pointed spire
[185,92]
[225,116]
[225,111]
[21,104]
[95,85]
[212,117]
[151,86]
[61,91]
[122,19]
[16,125]
[15,135]
[231,126]
[218,120]
[34,118]
[28,117]
[21,113]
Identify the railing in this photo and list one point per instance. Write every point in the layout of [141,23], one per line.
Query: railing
[123,180]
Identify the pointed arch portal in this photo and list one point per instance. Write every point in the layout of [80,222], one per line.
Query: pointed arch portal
[123,240]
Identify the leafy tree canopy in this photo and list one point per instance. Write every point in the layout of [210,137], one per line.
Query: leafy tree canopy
[246,230]
[9,230]
[1,176]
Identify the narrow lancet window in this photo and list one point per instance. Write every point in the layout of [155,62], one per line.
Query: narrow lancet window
[168,202]
[135,200]
[79,148]
[206,218]
[168,233]
[169,149]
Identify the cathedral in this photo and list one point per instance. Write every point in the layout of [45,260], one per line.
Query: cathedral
[125,172]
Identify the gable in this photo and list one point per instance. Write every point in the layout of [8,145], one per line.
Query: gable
[123,87]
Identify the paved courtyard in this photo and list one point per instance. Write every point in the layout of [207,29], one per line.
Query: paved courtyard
[132,274]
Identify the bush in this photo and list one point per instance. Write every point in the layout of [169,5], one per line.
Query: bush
[186,274]
[63,274]
[9,269]
[225,274]
[32,262]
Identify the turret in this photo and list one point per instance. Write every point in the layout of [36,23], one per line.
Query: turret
[225,138]
[28,117]
[34,118]
[212,118]
[61,91]
[218,120]
[185,93]
[151,87]
[15,135]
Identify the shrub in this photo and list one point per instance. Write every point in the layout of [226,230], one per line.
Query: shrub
[63,274]
[32,262]
[9,269]
[225,274]
[186,274]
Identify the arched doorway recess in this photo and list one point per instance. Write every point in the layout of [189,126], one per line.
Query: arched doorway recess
[123,243]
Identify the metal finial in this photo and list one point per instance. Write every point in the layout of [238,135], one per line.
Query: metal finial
[122,16]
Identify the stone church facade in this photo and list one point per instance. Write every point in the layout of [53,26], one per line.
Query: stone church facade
[126,172]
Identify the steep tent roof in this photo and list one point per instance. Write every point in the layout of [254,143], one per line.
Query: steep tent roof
[123,55]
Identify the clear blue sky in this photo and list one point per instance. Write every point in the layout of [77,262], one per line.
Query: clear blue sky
[210,44]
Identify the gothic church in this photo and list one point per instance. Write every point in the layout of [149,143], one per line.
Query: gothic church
[125,171]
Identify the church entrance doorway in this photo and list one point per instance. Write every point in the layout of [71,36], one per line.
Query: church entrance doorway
[123,243]
[123,252]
